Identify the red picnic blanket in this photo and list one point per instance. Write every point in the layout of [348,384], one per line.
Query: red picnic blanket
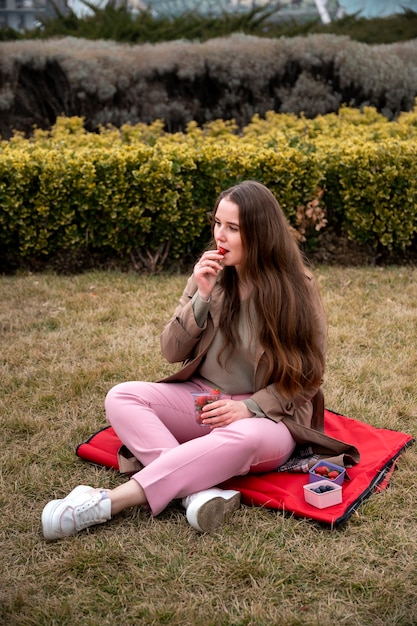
[283,490]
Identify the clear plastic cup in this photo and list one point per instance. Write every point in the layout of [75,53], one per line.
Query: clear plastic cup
[200,400]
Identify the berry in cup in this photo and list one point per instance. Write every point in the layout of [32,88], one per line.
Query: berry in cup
[201,399]
[326,472]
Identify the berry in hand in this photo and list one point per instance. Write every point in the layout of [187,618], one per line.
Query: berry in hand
[201,400]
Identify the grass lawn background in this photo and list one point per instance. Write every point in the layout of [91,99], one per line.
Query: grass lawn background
[65,340]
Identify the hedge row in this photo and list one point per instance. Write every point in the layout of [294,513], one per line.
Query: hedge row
[228,78]
[143,194]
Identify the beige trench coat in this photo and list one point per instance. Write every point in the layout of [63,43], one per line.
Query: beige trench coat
[182,340]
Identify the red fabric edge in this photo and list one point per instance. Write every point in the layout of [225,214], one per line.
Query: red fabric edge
[379,448]
[101,448]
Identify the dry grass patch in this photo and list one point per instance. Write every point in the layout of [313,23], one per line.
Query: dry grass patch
[67,340]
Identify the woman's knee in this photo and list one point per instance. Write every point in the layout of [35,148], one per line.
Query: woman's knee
[121,396]
[113,395]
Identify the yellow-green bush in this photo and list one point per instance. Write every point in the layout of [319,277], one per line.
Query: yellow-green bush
[141,193]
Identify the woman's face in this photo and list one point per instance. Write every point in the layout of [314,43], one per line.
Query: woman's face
[227,232]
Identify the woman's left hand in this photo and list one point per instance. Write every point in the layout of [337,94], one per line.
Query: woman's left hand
[224,412]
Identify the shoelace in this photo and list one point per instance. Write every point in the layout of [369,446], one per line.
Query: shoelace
[89,513]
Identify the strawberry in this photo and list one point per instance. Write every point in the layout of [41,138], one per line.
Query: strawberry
[321,470]
[333,474]
[199,417]
[222,250]
[201,401]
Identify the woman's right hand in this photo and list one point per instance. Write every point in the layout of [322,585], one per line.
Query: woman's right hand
[206,271]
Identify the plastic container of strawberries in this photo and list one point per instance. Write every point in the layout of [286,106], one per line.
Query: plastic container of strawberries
[315,476]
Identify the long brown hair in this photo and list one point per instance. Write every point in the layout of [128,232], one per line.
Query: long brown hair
[273,265]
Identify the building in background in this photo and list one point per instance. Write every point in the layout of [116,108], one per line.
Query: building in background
[21,15]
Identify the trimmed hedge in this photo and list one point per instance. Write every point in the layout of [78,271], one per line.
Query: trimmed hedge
[234,77]
[143,194]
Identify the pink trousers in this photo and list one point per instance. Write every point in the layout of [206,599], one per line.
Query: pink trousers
[156,422]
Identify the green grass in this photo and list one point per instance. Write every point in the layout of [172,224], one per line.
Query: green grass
[66,340]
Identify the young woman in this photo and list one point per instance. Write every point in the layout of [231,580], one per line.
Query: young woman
[250,323]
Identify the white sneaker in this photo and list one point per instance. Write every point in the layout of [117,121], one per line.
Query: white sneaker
[83,507]
[206,509]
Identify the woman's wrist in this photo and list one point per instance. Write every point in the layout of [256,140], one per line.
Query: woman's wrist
[201,309]
[204,297]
